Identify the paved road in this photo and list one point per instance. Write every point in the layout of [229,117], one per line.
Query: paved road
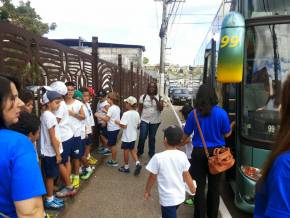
[110,193]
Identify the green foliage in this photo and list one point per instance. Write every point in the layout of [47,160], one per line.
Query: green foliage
[24,16]
[145,60]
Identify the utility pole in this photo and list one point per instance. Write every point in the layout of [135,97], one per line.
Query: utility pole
[163,38]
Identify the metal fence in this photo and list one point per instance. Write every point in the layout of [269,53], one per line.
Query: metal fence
[39,61]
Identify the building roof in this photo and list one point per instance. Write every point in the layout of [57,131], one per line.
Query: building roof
[78,42]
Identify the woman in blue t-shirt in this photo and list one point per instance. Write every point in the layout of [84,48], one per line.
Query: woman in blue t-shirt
[273,189]
[21,184]
[215,126]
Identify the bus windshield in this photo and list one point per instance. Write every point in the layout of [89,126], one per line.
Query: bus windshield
[261,8]
[267,65]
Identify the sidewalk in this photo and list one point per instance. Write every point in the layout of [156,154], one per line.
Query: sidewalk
[110,193]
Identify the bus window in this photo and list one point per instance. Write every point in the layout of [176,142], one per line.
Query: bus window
[260,8]
[267,65]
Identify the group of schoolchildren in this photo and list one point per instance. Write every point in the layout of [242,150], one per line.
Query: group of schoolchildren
[66,137]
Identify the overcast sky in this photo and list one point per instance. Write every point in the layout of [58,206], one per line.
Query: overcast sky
[131,22]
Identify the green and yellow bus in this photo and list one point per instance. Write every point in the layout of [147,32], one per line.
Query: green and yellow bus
[247,61]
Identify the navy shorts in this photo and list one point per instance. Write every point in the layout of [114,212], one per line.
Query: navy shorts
[128,145]
[169,212]
[88,141]
[51,168]
[67,148]
[103,131]
[77,148]
[112,137]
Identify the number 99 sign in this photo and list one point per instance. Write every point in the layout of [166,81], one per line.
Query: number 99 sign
[232,42]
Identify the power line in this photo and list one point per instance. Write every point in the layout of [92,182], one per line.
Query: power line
[197,23]
[194,14]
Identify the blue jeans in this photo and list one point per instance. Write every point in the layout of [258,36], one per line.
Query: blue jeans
[146,128]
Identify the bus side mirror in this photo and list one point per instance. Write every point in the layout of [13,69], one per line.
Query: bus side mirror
[231,49]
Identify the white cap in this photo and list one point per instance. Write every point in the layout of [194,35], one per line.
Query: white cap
[131,100]
[59,87]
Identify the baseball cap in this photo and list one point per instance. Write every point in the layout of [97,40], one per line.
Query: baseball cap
[78,95]
[131,100]
[173,134]
[91,91]
[101,93]
[50,96]
[59,87]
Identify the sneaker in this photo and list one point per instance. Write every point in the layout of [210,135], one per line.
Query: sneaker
[86,174]
[92,160]
[189,202]
[112,163]
[53,205]
[47,215]
[100,148]
[124,170]
[137,169]
[66,192]
[105,152]
[76,182]
[58,200]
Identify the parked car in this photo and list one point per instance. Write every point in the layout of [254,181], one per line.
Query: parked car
[181,96]
[171,89]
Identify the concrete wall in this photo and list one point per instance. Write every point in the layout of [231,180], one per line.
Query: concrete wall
[129,55]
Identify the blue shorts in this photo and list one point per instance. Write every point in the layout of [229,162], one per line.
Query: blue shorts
[88,141]
[67,149]
[128,145]
[77,148]
[112,137]
[169,212]
[51,168]
[103,131]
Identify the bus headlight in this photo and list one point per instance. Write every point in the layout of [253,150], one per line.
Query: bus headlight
[251,172]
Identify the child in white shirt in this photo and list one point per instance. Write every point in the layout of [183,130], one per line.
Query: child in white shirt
[51,146]
[112,115]
[76,116]
[88,135]
[102,108]
[170,168]
[129,123]
[185,111]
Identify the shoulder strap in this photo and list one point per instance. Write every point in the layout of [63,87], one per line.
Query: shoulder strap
[144,96]
[201,135]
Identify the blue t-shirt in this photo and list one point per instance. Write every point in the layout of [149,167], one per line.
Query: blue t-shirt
[273,196]
[20,176]
[213,127]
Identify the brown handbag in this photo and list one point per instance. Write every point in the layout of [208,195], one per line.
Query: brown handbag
[222,158]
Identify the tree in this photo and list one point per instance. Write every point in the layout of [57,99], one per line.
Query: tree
[24,16]
[145,60]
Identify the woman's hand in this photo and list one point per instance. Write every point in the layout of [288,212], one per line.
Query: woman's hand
[147,195]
